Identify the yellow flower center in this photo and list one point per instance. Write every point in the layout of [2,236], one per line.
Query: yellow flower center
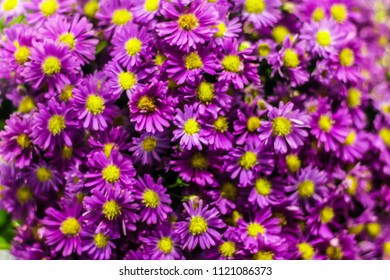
[149,144]
[121,17]
[199,161]
[373,229]
[334,253]
[188,22]
[111,210]
[384,133]
[352,184]
[326,215]
[281,126]
[244,45]
[191,127]
[231,63]
[165,245]
[68,39]
[339,12]
[229,191]
[67,152]
[205,92]
[133,46]
[151,5]
[255,6]
[254,229]
[306,189]
[293,163]
[127,80]
[51,65]
[150,199]
[221,30]
[24,194]
[91,8]
[43,174]
[70,226]
[193,61]
[95,104]
[21,55]
[160,59]
[9,5]
[324,38]
[198,225]
[146,103]
[354,97]
[263,186]
[107,148]
[100,240]
[263,49]
[227,249]
[291,59]
[347,57]
[26,105]
[221,124]
[67,93]
[111,173]
[23,141]
[263,256]
[386,247]
[318,14]
[253,124]
[279,33]
[306,250]
[325,123]
[248,160]
[48,7]
[356,229]
[386,108]
[350,139]
[56,124]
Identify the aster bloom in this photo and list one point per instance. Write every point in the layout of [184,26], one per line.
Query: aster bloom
[149,148]
[97,242]
[145,10]
[225,28]
[264,48]
[261,13]
[286,128]
[11,8]
[150,108]
[246,127]
[43,178]
[19,200]
[218,135]
[347,63]
[354,146]
[199,227]
[109,140]
[265,192]
[224,196]
[189,26]
[41,11]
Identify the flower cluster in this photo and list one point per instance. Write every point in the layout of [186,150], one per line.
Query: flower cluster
[196,129]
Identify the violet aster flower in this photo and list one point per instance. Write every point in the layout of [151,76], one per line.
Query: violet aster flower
[39,11]
[246,127]
[218,135]
[225,28]
[97,242]
[354,146]
[199,227]
[19,200]
[347,63]
[146,10]
[149,148]
[266,192]
[189,26]
[108,140]
[261,13]
[10,9]
[43,178]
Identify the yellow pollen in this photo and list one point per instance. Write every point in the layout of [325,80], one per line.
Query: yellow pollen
[146,103]
[325,123]
[191,127]
[352,184]
[281,126]
[334,253]
[254,229]
[133,46]
[231,63]
[149,144]
[350,139]
[165,245]
[373,229]
[188,22]
[198,225]
[150,199]
[127,80]
[291,59]
[324,38]
[386,248]
[95,104]
[347,57]
[248,160]
[354,97]
[253,124]
[67,93]
[121,17]
[229,191]
[51,66]
[263,186]
[339,12]
[306,250]
[67,152]
[111,173]
[160,59]
[26,105]
[100,240]
[227,249]
[255,6]
[48,7]
[9,5]
[384,133]
[263,49]
[221,30]
[357,229]
[151,5]
[244,45]
[318,14]
[205,92]
[293,163]
[386,108]
[221,124]
[279,33]
[21,55]
[326,215]
[263,256]
[193,61]
[56,124]
[91,8]
[68,39]
[306,189]
[107,148]
[43,174]
[24,195]
[70,227]
[199,161]
[23,141]
[111,210]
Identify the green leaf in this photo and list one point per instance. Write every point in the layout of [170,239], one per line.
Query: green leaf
[101,46]
[4,219]
[16,20]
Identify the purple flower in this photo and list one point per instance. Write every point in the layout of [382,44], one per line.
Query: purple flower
[43,178]
[97,242]
[261,13]
[40,11]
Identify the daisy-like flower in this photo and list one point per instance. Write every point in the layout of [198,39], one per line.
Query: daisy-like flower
[347,63]
[107,172]
[62,228]
[261,13]
[149,148]
[264,48]
[11,8]
[199,227]
[43,178]
[89,8]
[39,11]
[189,130]
[217,133]
[93,104]
[50,63]
[18,199]
[113,139]
[154,200]
[97,242]
[77,35]
[246,127]
[353,147]
[285,128]
[225,28]
[132,46]
[146,10]
[266,192]
[189,25]
[150,108]
[52,125]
